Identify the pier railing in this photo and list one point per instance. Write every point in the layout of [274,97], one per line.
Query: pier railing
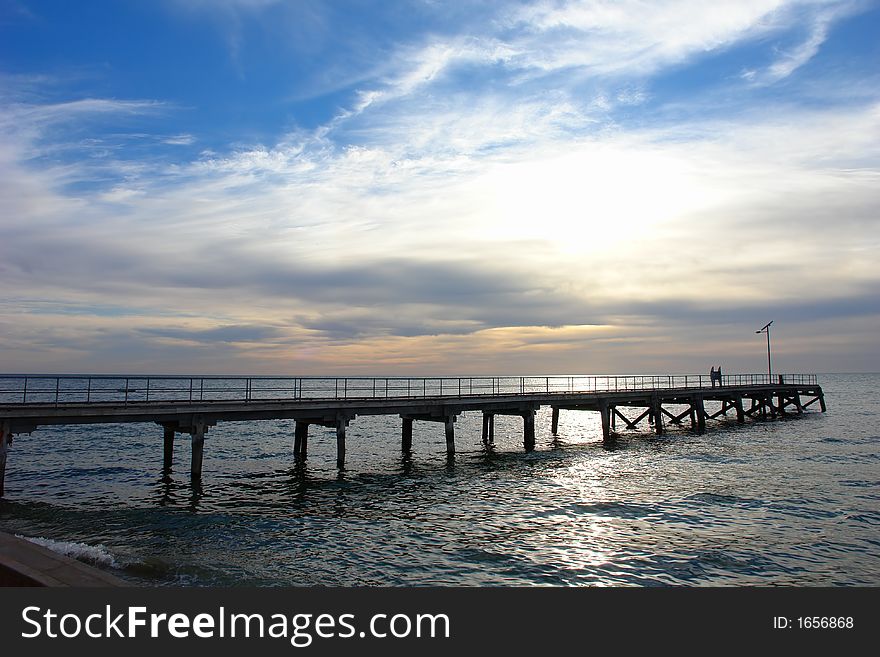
[74,389]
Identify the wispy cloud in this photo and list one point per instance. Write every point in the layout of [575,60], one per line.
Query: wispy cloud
[179,140]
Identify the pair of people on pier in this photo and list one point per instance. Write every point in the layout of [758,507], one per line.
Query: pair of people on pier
[715,376]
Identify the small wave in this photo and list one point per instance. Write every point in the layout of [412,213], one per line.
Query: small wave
[718,498]
[851,441]
[858,483]
[97,555]
[867,518]
[613,508]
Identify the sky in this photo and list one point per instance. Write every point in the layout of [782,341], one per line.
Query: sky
[426,187]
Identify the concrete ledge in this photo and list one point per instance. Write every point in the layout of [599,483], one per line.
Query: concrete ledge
[23,563]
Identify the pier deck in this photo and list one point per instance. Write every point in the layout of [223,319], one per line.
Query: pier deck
[191,405]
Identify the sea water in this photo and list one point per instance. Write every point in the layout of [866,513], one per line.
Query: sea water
[788,501]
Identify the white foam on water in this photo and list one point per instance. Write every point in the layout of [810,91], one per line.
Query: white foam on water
[97,555]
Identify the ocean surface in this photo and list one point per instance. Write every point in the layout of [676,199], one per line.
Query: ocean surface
[779,502]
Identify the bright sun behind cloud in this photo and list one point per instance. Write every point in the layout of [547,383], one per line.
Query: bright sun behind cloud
[594,199]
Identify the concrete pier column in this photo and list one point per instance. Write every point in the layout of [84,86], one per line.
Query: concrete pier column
[5,442]
[198,447]
[822,402]
[449,424]
[488,428]
[529,430]
[740,413]
[340,442]
[169,448]
[693,414]
[300,439]
[605,415]
[700,411]
[406,435]
[797,402]
[658,416]
[613,416]
[554,421]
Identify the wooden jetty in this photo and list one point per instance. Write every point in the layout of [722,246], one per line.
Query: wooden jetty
[191,405]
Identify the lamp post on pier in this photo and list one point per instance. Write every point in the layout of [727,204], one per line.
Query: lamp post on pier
[766,330]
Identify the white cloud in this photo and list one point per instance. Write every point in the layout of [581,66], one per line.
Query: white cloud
[179,140]
[430,207]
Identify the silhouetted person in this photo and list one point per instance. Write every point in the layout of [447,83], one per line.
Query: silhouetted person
[718,374]
[712,376]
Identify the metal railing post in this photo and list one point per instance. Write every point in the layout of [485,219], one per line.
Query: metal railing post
[24,394]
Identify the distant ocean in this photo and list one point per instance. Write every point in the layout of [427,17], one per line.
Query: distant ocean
[779,502]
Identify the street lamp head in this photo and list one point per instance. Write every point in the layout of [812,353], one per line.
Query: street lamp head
[765,327]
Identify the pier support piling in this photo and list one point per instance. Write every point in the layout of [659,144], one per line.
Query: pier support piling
[300,439]
[406,435]
[341,423]
[554,421]
[5,442]
[657,409]
[169,448]
[198,448]
[488,428]
[700,411]
[605,414]
[449,424]
[529,430]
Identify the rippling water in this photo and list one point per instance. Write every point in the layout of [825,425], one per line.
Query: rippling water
[790,502]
